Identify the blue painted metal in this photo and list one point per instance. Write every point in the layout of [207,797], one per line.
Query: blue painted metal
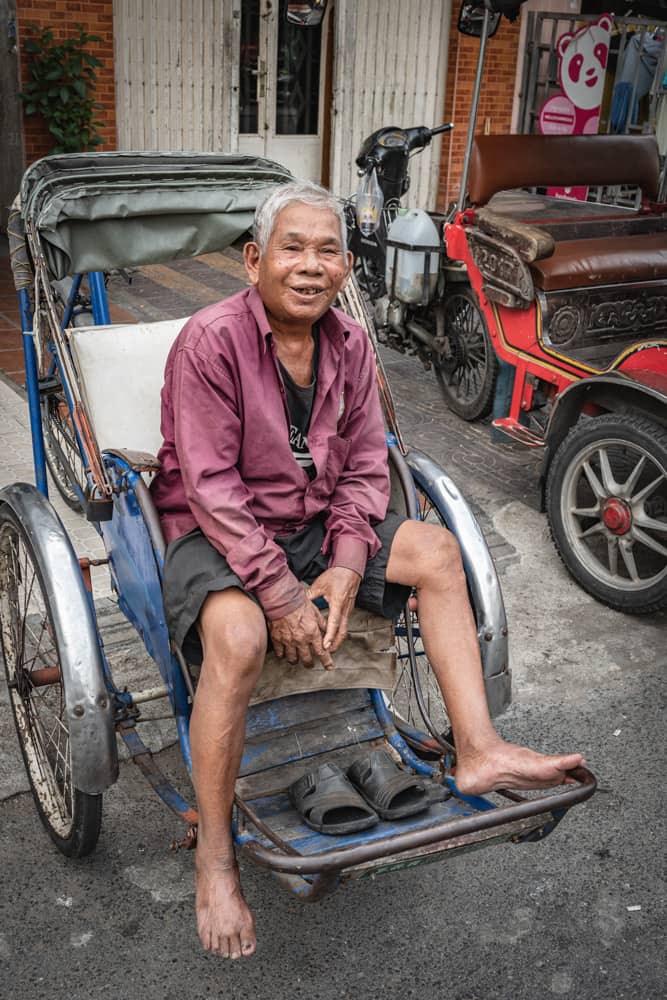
[71,299]
[98,298]
[397,741]
[133,568]
[32,386]
[142,756]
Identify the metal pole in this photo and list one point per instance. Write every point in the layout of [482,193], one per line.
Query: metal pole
[473,110]
[32,387]
[98,295]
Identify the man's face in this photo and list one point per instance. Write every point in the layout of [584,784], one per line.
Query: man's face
[303,268]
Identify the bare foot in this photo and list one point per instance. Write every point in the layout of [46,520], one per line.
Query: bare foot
[224,921]
[507,765]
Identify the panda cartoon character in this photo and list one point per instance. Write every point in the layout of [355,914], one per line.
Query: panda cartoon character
[582,66]
[583,63]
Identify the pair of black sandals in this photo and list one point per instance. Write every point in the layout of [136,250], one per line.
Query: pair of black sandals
[374,787]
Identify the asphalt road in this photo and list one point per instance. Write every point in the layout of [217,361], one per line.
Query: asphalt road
[581,915]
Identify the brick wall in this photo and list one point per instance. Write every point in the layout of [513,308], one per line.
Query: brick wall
[495,108]
[62,16]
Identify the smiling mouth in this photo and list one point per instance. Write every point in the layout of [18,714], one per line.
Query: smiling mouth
[309,292]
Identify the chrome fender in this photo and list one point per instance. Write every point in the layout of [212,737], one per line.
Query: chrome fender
[481,574]
[88,704]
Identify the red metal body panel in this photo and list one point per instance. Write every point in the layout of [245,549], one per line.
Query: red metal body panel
[517,339]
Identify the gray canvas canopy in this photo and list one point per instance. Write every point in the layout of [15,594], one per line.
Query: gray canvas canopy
[97,211]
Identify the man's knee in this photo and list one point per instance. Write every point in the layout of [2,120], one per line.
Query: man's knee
[439,556]
[233,634]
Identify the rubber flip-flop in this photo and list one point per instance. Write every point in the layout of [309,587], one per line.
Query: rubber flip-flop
[390,791]
[327,802]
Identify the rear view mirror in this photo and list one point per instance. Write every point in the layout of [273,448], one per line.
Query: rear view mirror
[308,14]
[471,20]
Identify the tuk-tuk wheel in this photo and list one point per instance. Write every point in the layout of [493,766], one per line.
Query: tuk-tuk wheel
[468,368]
[606,502]
[36,691]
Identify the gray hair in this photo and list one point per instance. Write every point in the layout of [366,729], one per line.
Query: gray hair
[304,192]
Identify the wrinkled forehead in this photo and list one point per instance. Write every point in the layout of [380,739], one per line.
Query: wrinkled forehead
[301,219]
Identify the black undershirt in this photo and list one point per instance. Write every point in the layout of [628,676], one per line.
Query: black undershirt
[300,405]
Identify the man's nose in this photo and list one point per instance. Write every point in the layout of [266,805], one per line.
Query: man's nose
[310,260]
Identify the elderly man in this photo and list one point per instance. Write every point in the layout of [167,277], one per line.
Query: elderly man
[274,476]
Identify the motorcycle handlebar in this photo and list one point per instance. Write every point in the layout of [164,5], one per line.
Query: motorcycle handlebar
[442,128]
[420,137]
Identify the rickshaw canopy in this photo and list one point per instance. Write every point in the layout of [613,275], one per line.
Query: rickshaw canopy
[98,211]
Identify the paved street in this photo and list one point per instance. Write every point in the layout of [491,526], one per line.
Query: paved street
[581,915]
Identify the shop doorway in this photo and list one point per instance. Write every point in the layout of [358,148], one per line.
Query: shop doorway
[282,82]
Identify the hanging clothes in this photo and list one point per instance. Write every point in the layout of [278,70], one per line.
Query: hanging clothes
[636,70]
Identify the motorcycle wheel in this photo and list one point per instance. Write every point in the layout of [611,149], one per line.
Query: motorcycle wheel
[467,371]
[607,508]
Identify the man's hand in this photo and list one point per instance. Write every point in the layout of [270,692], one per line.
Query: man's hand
[299,634]
[339,587]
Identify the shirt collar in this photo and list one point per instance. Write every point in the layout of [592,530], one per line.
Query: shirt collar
[335,325]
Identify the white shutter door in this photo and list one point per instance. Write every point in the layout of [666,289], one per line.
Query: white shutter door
[390,68]
[175,74]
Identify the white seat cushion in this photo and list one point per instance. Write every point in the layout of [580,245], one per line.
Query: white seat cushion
[121,372]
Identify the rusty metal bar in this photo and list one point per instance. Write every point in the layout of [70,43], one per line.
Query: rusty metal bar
[45,676]
[336,860]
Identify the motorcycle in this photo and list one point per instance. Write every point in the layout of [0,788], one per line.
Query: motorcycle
[421,301]
[571,296]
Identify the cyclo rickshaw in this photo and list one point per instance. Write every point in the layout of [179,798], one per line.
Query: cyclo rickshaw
[93,392]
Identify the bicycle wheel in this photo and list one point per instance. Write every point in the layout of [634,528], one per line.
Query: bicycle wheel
[416,702]
[35,680]
[467,371]
[61,450]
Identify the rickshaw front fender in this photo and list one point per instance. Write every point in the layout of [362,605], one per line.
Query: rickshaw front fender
[482,578]
[88,704]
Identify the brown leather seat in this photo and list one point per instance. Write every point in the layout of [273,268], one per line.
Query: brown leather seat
[585,263]
[503,162]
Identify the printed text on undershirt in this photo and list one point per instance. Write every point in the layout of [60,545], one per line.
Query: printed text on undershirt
[300,404]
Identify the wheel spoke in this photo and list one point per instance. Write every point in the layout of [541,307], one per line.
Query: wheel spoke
[612,555]
[648,541]
[647,490]
[632,480]
[593,481]
[630,564]
[650,523]
[586,511]
[595,529]
[611,487]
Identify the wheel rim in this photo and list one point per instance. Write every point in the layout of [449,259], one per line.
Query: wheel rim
[61,447]
[403,700]
[463,368]
[35,682]
[614,512]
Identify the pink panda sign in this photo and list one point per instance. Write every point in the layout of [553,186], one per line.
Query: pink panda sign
[582,63]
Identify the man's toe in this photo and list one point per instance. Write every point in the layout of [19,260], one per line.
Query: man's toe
[235,950]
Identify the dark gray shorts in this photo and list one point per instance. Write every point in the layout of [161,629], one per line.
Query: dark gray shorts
[193,569]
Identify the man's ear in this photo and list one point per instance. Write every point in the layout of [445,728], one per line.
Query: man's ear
[251,257]
[348,270]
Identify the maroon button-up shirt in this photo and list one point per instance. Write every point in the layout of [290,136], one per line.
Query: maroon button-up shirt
[226,462]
